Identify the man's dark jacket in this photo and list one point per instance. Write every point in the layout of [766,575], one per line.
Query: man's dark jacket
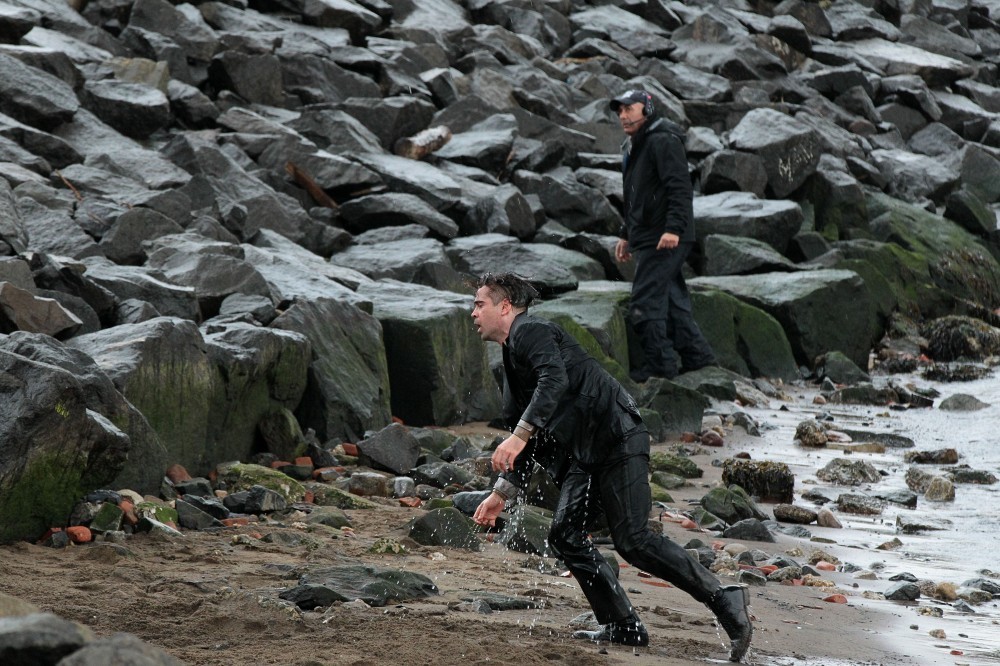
[657,185]
[552,383]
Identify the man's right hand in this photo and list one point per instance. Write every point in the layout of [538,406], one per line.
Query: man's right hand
[621,251]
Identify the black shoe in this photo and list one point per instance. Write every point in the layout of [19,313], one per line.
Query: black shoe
[730,607]
[623,632]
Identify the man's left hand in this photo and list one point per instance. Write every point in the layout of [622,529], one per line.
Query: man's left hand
[505,454]
[488,510]
[668,241]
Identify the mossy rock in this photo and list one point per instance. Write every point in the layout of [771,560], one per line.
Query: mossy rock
[243,476]
[163,513]
[599,311]
[325,495]
[684,467]
[958,263]
[590,344]
[660,494]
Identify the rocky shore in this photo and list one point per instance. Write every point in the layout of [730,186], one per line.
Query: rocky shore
[235,245]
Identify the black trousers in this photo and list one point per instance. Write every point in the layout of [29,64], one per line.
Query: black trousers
[620,488]
[661,312]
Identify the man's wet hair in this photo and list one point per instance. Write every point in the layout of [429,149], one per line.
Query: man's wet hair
[515,288]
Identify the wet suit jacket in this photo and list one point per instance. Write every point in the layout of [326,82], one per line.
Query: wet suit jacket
[581,411]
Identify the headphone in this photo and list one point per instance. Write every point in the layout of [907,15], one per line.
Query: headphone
[647,107]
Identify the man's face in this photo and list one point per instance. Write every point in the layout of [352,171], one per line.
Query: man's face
[488,316]
[631,118]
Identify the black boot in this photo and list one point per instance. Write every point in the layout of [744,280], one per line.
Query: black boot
[729,604]
[624,632]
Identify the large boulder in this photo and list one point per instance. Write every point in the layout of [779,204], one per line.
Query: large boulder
[599,307]
[812,309]
[203,397]
[348,381]
[56,446]
[743,214]
[746,339]
[438,370]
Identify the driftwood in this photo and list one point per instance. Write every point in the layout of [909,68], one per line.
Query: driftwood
[423,143]
[306,182]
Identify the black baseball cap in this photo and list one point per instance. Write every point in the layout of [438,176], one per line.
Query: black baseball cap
[629,97]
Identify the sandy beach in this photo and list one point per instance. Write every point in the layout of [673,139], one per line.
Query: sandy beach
[208,599]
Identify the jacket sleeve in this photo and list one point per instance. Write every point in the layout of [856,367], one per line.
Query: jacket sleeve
[538,350]
[674,179]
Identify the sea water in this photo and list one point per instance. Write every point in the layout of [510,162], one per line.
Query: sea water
[968,546]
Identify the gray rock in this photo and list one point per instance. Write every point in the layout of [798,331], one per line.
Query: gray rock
[733,255]
[400,174]
[21,310]
[801,303]
[376,586]
[41,638]
[191,517]
[860,504]
[430,388]
[260,500]
[444,527]
[731,504]
[133,109]
[789,148]
[46,217]
[120,648]
[569,201]
[485,145]
[743,214]
[839,369]
[527,530]
[55,416]
[726,170]
[212,270]
[442,475]
[748,529]
[393,449]
[961,402]
[348,368]
[903,591]
[394,209]
[847,472]
[33,96]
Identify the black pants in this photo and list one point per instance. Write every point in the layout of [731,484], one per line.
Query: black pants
[660,310]
[620,487]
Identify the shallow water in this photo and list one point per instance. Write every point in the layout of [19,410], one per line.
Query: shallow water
[968,548]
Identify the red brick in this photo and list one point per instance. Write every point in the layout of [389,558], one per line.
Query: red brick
[79,534]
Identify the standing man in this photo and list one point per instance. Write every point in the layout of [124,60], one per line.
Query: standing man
[659,233]
[566,407]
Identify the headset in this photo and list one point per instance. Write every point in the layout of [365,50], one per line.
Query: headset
[647,107]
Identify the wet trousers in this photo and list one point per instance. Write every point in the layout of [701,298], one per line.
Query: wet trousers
[660,310]
[620,488]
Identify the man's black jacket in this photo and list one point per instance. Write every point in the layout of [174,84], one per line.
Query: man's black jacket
[552,383]
[657,186]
